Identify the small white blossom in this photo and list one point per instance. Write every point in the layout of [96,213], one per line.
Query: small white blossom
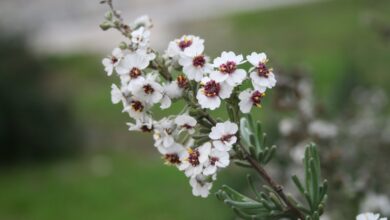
[262,77]
[173,154]
[210,94]
[140,37]
[164,133]
[186,122]
[195,67]
[224,135]
[117,94]
[369,216]
[216,159]
[227,70]
[131,66]
[147,90]
[249,98]
[135,108]
[113,61]
[144,124]
[187,45]
[201,185]
[194,159]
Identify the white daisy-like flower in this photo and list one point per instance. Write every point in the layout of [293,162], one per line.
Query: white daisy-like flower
[135,108]
[224,135]
[187,45]
[249,98]
[369,216]
[201,185]
[216,159]
[131,66]
[227,70]
[194,159]
[144,124]
[111,62]
[195,67]
[262,76]
[210,94]
[186,123]
[142,21]
[140,38]
[147,89]
[164,132]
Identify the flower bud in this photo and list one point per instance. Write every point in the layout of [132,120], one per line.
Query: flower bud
[105,25]
[123,45]
[108,15]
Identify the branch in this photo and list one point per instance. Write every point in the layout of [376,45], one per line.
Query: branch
[275,186]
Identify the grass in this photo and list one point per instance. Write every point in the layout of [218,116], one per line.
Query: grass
[108,186]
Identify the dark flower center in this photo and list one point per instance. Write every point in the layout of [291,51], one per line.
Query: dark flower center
[182,82]
[193,158]
[187,126]
[262,70]
[199,61]
[135,72]
[148,89]
[212,88]
[146,128]
[226,137]
[256,98]
[172,158]
[137,106]
[228,67]
[185,43]
[213,160]
[114,59]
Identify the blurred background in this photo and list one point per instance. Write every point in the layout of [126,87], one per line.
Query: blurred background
[65,152]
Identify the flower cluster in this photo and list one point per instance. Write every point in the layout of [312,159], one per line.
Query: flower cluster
[192,141]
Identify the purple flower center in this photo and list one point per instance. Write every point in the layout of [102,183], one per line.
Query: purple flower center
[256,97]
[213,160]
[193,158]
[262,70]
[212,88]
[182,81]
[148,89]
[185,43]
[226,137]
[137,106]
[172,158]
[228,67]
[135,72]
[199,61]
[114,60]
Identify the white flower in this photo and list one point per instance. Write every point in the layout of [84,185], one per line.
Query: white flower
[249,98]
[194,159]
[201,185]
[223,135]
[195,67]
[227,69]
[117,95]
[173,154]
[113,61]
[144,124]
[187,45]
[135,108]
[164,134]
[147,89]
[140,37]
[131,66]
[369,216]
[142,21]
[216,159]
[262,77]
[211,93]
[186,122]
